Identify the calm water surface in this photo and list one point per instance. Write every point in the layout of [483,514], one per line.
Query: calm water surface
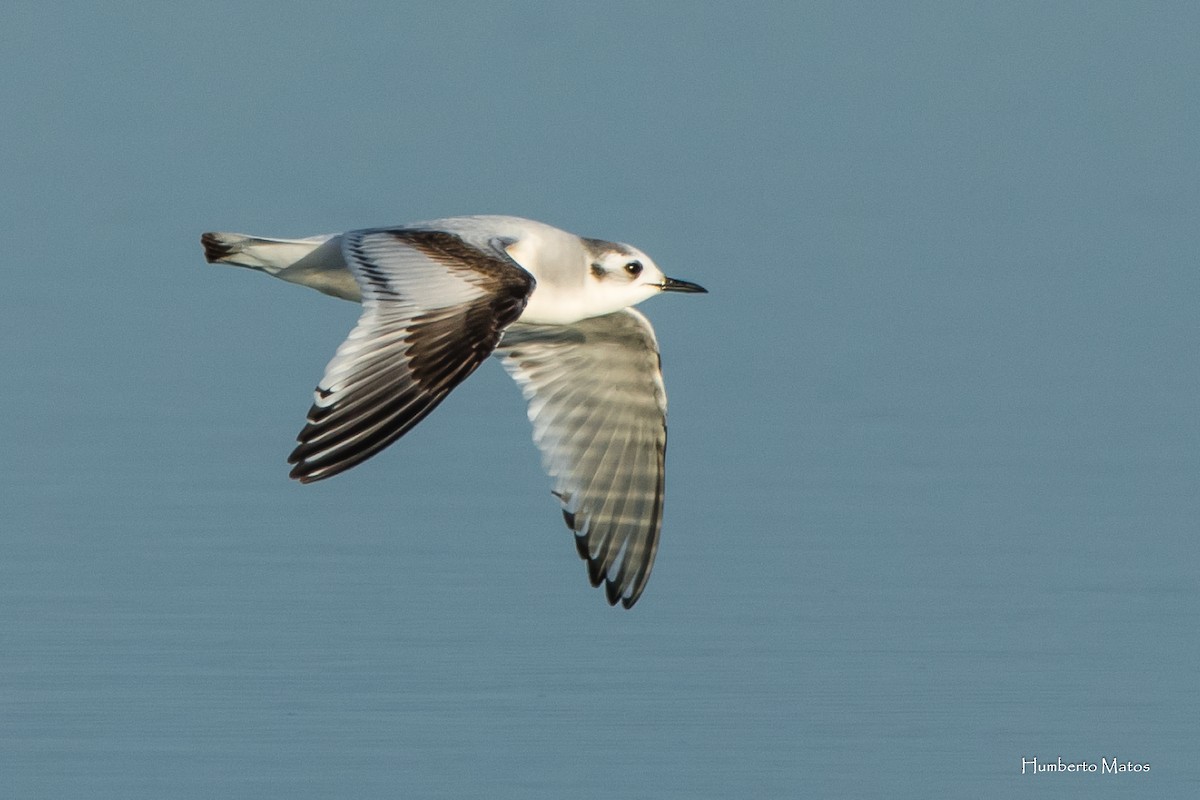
[932,485]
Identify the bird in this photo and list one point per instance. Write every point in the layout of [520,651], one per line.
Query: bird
[441,296]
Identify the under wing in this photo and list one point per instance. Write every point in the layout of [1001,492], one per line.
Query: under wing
[598,408]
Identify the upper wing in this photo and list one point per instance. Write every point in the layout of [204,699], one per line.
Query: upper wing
[598,408]
[434,307]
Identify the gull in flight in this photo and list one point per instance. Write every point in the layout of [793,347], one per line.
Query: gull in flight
[438,298]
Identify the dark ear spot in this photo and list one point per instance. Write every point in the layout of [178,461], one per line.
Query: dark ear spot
[597,269]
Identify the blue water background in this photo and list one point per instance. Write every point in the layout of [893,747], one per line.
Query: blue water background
[935,443]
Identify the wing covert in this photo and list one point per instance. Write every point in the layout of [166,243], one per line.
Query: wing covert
[434,307]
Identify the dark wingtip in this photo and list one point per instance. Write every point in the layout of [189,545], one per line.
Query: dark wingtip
[304,471]
[299,473]
[595,574]
[612,592]
[308,471]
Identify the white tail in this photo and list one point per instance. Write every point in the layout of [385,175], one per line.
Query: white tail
[269,255]
[315,262]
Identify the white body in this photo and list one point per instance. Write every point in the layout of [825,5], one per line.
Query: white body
[552,256]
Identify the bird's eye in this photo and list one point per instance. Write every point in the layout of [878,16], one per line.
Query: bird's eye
[634,268]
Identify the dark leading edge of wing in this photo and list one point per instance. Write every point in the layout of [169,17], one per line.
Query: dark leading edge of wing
[434,308]
[598,409]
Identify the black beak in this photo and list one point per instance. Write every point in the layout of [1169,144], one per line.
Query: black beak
[672,285]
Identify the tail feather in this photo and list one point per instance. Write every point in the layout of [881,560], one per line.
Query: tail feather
[256,252]
[315,262]
[219,246]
